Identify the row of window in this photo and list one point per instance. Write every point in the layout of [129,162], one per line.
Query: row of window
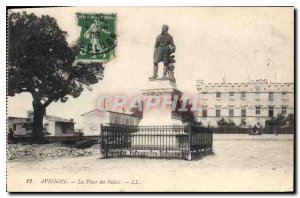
[122,120]
[243,95]
[243,112]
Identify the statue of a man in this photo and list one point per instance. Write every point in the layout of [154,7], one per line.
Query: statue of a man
[164,47]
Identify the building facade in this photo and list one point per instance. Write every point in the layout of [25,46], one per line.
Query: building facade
[56,126]
[18,125]
[244,103]
[92,120]
[53,125]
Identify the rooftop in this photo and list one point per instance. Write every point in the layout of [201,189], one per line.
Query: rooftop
[58,119]
[97,110]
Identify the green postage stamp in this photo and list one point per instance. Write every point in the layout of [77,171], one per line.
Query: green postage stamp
[97,40]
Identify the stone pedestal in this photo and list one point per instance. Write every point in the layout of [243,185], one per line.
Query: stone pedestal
[162,87]
[159,138]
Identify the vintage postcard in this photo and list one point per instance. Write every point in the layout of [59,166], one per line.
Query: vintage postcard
[150,99]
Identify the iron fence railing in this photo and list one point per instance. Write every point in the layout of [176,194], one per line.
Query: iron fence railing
[154,141]
[232,130]
[248,130]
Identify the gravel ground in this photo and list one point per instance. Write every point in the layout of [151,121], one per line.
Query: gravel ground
[19,152]
[240,163]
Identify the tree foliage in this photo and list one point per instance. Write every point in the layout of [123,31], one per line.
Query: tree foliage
[188,115]
[280,121]
[41,62]
[224,123]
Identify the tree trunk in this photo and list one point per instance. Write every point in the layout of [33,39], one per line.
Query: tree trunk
[37,125]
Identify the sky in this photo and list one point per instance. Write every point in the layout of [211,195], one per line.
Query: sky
[211,43]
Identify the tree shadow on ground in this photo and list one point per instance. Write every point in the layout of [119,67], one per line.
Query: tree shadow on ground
[202,154]
[195,156]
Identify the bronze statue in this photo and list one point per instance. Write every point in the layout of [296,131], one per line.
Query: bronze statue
[164,47]
[171,67]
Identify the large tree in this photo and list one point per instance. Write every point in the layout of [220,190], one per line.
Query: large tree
[41,62]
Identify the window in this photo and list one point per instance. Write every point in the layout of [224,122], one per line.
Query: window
[218,95]
[283,95]
[243,95]
[67,125]
[243,112]
[283,110]
[257,96]
[271,111]
[231,95]
[64,130]
[14,127]
[257,110]
[46,126]
[218,112]
[204,95]
[231,112]
[271,96]
[204,113]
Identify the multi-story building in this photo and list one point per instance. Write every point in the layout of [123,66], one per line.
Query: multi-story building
[249,103]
